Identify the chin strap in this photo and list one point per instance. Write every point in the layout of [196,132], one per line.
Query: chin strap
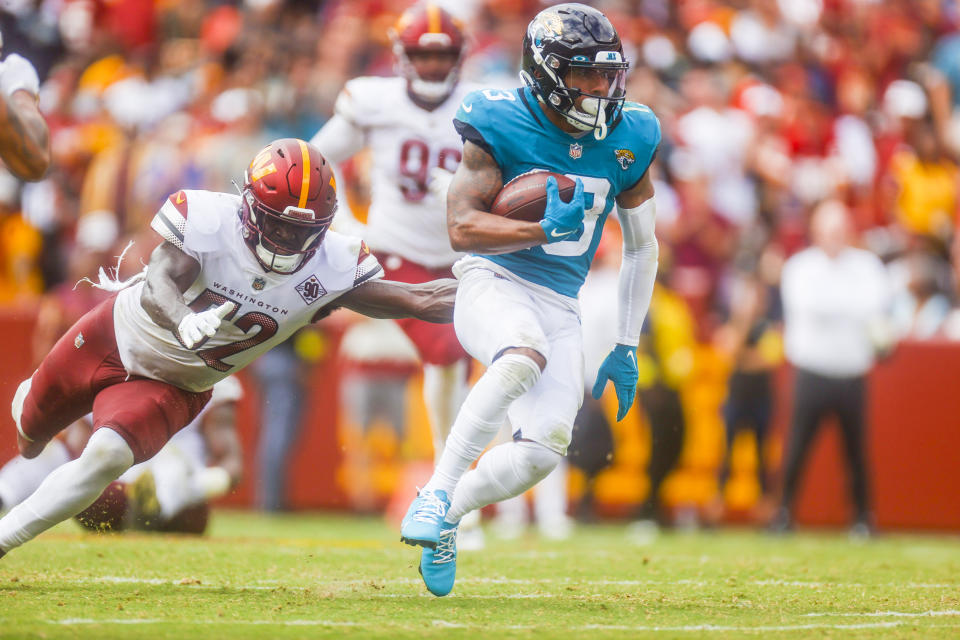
[591,108]
[601,132]
[271,258]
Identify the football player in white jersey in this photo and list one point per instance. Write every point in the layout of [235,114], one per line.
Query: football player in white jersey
[24,136]
[169,492]
[407,122]
[232,277]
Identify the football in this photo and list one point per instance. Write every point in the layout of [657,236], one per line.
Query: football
[525,197]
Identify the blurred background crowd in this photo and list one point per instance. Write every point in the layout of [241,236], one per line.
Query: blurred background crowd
[769,110]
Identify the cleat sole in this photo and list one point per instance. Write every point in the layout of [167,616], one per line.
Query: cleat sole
[414,542]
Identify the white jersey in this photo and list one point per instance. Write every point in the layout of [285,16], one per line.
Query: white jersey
[269,306]
[407,141]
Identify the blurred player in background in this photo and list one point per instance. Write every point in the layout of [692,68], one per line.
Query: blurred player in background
[170,492]
[232,277]
[406,121]
[24,136]
[517,309]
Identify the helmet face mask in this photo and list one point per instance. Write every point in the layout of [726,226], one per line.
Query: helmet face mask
[284,242]
[429,47]
[288,201]
[573,62]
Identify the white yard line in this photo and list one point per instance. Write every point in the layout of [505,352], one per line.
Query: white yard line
[454,625]
[887,614]
[276,584]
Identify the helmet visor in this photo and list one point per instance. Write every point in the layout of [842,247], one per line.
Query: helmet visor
[597,81]
[287,237]
[292,232]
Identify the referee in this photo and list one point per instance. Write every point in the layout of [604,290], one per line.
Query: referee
[834,298]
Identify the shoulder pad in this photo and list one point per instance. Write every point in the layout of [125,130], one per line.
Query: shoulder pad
[171,220]
[478,108]
[642,122]
[484,115]
[363,101]
[350,260]
[189,216]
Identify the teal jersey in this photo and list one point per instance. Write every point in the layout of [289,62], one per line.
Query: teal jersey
[512,127]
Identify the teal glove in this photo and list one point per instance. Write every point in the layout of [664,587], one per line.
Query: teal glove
[563,220]
[621,367]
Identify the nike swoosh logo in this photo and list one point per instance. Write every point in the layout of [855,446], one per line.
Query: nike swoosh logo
[180,198]
[630,355]
[553,233]
[466,108]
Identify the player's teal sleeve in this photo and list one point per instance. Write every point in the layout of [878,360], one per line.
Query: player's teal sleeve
[476,122]
[642,128]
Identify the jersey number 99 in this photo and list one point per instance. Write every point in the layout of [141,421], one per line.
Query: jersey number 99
[415,164]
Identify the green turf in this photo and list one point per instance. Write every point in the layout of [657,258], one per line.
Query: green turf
[332,577]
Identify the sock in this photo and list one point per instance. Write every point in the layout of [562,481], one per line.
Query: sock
[503,472]
[67,491]
[444,388]
[481,416]
[20,477]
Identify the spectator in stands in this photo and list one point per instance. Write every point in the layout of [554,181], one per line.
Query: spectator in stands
[920,310]
[834,297]
[751,339]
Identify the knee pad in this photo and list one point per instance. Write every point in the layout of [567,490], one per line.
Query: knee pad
[108,451]
[536,459]
[517,372]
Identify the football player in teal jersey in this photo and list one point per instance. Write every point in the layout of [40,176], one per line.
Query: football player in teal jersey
[517,309]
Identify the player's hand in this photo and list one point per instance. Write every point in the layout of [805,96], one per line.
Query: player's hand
[563,220]
[17,73]
[196,326]
[439,183]
[620,366]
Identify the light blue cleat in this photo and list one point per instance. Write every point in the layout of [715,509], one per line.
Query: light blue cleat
[439,566]
[424,519]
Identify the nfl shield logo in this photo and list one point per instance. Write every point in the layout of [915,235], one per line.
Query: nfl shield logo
[259,283]
[576,150]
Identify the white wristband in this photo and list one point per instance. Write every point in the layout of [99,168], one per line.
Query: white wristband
[16,74]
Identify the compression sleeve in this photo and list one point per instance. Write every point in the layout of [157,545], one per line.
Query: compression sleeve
[638,271]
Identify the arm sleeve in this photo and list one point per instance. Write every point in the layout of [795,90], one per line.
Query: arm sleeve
[338,140]
[638,271]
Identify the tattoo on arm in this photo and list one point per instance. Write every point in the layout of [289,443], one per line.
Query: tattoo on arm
[638,193]
[475,184]
[470,225]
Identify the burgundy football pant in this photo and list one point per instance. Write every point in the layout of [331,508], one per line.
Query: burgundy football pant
[83,371]
[436,343]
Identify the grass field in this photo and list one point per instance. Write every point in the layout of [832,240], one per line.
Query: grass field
[323,576]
